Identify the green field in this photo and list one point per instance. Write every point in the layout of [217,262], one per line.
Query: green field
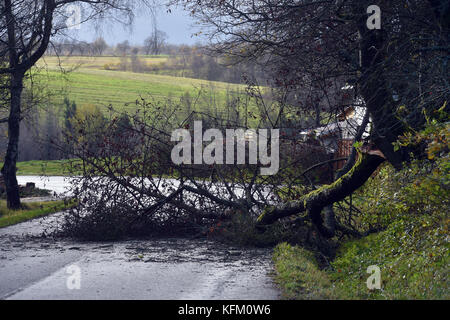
[85,81]
[49,168]
[42,168]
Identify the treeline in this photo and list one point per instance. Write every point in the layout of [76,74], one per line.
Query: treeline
[155,44]
[50,131]
[50,134]
[195,62]
[182,60]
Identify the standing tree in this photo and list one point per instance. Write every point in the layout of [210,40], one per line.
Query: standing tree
[26,31]
[155,42]
[123,48]
[99,46]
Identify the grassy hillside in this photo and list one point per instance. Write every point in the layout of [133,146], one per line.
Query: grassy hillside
[87,82]
[412,251]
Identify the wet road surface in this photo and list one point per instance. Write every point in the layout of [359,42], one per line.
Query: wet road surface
[32,267]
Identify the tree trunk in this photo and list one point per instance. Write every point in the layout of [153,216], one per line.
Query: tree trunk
[315,201]
[9,167]
[377,96]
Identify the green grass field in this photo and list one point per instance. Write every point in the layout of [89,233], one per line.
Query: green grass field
[42,168]
[50,168]
[87,82]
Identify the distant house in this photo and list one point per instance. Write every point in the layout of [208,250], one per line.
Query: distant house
[338,137]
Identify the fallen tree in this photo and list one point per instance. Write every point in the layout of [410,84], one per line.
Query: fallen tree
[314,49]
[314,202]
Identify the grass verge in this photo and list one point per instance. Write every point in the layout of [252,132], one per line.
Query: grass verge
[298,274]
[30,211]
[121,89]
[413,256]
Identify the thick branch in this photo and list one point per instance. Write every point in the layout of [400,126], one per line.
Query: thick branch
[315,201]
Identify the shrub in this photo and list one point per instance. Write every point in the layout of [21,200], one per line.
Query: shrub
[420,188]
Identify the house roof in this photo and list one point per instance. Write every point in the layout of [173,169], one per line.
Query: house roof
[350,120]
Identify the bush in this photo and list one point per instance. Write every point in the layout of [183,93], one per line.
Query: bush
[421,188]
[413,257]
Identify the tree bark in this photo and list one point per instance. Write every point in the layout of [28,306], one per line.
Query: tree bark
[9,167]
[377,96]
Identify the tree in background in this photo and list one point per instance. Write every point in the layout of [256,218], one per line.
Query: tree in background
[52,136]
[136,64]
[88,124]
[99,46]
[155,42]
[123,48]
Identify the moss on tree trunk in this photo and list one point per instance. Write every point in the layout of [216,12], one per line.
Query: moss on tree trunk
[315,201]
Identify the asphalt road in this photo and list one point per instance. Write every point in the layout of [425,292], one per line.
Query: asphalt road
[32,267]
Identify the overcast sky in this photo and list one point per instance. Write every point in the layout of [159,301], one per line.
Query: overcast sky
[178,25]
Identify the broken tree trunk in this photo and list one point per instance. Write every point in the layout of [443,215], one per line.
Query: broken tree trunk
[315,201]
